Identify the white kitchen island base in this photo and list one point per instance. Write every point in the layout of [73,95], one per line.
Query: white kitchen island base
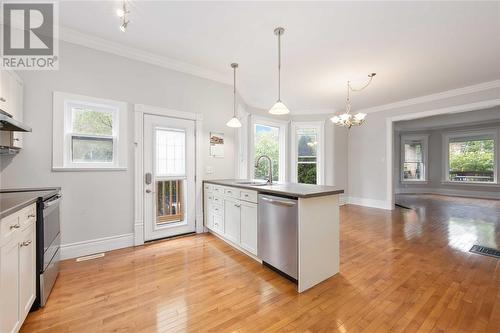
[231,213]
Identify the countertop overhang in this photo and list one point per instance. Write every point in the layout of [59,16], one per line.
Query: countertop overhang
[13,200]
[286,189]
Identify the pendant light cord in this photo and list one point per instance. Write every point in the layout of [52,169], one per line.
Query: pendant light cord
[234,91]
[279,67]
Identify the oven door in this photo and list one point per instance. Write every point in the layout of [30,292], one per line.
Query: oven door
[51,227]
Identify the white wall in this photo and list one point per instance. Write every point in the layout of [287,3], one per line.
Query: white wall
[368,165]
[435,161]
[100,204]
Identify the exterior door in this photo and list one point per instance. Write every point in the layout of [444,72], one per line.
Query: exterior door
[169,166]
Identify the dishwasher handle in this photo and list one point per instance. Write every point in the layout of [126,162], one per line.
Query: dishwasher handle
[279,202]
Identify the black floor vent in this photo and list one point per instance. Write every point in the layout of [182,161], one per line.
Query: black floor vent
[485,251]
[401,206]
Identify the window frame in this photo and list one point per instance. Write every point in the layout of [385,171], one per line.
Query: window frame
[424,139]
[283,144]
[484,134]
[320,160]
[63,132]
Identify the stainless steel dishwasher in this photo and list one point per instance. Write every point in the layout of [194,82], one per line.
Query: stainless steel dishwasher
[278,233]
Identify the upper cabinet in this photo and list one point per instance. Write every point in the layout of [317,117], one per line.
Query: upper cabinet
[11,102]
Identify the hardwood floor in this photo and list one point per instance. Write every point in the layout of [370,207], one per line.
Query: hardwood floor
[401,271]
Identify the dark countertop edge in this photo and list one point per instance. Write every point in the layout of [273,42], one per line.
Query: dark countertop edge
[28,202]
[261,189]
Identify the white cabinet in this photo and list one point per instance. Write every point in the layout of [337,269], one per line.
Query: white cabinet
[232,220]
[9,286]
[11,101]
[249,227]
[232,214]
[17,268]
[27,273]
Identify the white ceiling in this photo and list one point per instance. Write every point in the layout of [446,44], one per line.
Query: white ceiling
[416,48]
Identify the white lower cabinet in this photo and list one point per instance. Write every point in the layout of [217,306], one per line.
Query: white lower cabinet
[9,287]
[232,214]
[249,227]
[232,220]
[17,268]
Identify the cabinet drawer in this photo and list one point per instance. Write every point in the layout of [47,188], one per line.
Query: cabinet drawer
[217,200]
[9,226]
[207,188]
[217,189]
[27,216]
[217,209]
[250,196]
[232,192]
[218,225]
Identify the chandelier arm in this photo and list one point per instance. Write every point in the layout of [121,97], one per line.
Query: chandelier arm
[363,87]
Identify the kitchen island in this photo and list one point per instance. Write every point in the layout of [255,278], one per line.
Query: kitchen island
[296,223]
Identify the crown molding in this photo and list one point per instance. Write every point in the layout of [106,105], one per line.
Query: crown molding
[75,37]
[434,97]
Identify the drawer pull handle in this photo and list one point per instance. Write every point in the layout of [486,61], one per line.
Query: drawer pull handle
[15,226]
[237,205]
[31,215]
[26,243]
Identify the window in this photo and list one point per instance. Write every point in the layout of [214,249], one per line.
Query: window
[414,158]
[89,133]
[470,158]
[307,147]
[269,138]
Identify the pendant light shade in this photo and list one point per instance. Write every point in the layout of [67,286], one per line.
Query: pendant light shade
[279,108]
[234,122]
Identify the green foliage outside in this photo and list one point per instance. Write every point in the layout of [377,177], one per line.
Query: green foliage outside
[306,173]
[472,158]
[92,149]
[267,143]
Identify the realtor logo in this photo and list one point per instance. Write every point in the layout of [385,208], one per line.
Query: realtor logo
[29,36]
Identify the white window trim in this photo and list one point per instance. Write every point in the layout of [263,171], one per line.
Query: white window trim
[61,160]
[465,134]
[424,138]
[320,158]
[283,126]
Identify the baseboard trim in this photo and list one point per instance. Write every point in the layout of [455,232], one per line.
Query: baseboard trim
[451,192]
[78,249]
[372,203]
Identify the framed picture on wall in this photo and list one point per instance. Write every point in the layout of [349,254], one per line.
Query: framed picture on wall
[216,144]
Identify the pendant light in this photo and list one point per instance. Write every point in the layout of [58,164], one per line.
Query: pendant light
[234,122]
[279,108]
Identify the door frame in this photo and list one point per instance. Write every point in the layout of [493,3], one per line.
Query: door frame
[139,111]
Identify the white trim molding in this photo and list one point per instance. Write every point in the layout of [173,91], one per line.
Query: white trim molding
[84,248]
[451,192]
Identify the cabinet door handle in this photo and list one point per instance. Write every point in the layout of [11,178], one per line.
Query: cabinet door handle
[237,205]
[14,226]
[31,215]
[2,99]
[26,243]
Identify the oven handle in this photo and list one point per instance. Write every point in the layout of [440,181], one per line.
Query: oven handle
[52,202]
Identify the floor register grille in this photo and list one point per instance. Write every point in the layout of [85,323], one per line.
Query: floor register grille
[485,251]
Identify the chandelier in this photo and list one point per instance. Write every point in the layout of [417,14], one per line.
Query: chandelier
[347,119]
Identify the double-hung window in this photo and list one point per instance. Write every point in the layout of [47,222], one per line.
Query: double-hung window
[470,157]
[307,152]
[269,138]
[89,133]
[414,158]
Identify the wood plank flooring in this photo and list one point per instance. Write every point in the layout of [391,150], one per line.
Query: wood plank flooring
[401,271]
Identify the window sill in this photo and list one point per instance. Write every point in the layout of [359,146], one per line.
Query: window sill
[447,182]
[414,182]
[90,169]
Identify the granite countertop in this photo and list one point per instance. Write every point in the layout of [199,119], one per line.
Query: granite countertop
[12,200]
[287,189]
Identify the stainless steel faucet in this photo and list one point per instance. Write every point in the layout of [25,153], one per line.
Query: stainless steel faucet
[270,175]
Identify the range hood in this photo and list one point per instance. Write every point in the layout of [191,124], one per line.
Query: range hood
[7,123]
